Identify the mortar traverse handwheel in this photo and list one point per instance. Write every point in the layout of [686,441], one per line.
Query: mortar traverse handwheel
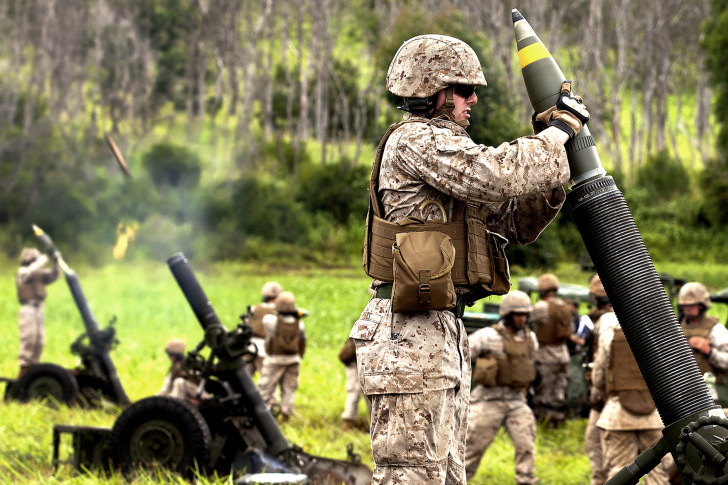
[47,381]
[161,431]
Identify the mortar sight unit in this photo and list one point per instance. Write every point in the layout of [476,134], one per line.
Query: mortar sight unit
[95,380]
[230,431]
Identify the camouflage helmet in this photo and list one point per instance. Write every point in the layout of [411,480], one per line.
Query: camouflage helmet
[515,302]
[694,294]
[286,303]
[547,282]
[426,64]
[271,290]
[596,287]
[175,346]
[28,255]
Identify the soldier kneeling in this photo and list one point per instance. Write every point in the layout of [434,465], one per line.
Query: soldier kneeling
[178,382]
[504,370]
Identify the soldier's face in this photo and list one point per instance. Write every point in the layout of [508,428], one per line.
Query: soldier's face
[691,311]
[462,106]
[519,319]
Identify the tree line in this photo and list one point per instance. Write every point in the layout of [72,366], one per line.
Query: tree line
[281,86]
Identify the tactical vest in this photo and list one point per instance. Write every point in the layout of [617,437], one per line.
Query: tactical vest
[702,329]
[287,340]
[625,380]
[515,369]
[256,319]
[34,291]
[557,329]
[480,261]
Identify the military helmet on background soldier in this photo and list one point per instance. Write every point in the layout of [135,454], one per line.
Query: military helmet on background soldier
[175,346]
[596,287]
[28,255]
[271,290]
[515,302]
[694,293]
[286,303]
[547,282]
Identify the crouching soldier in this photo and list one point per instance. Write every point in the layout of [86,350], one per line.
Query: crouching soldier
[504,370]
[285,346]
[31,281]
[178,382]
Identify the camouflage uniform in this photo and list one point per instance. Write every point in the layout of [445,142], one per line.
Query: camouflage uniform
[592,436]
[259,341]
[493,407]
[31,280]
[353,391]
[419,384]
[624,435]
[552,363]
[178,384]
[281,369]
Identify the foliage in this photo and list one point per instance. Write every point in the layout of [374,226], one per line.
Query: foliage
[715,45]
[172,165]
[714,184]
[663,177]
[339,189]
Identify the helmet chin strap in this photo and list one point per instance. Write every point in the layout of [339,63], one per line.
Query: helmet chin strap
[446,110]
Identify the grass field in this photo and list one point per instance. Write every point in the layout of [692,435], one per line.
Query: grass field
[150,309]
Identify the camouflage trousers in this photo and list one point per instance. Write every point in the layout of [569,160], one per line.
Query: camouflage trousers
[353,393]
[415,437]
[285,376]
[486,418]
[183,389]
[593,446]
[550,392]
[32,334]
[620,448]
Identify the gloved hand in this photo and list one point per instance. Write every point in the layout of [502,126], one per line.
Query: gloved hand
[569,115]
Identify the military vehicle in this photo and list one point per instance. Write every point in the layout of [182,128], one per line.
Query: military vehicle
[231,431]
[95,381]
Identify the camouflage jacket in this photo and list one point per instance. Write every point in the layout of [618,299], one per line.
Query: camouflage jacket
[718,339]
[31,280]
[487,341]
[614,417]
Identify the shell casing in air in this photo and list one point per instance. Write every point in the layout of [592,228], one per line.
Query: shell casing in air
[543,78]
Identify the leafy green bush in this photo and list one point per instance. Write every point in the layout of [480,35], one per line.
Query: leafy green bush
[663,177]
[337,189]
[172,165]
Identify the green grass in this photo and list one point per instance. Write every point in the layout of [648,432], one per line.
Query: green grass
[151,309]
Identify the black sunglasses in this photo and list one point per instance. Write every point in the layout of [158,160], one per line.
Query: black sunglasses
[464,90]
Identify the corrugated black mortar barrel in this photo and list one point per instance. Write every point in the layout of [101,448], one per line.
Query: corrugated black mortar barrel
[639,299]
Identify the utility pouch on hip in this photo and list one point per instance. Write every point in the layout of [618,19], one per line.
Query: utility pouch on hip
[486,371]
[500,283]
[422,272]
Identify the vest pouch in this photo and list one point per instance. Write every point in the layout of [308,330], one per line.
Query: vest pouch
[422,272]
[486,371]
[500,283]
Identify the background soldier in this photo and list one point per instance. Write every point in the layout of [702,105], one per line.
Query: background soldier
[31,280]
[415,367]
[629,422]
[347,356]
[706,336]
[577,392]
[255,319]
[592,437]
[551,320]
[178,383]
[505,369]
[285,345]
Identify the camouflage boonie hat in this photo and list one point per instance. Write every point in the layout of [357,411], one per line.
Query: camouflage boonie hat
[515,302]
[694,294]
[426,64]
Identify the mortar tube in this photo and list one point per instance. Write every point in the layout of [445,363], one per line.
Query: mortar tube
[619,254]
